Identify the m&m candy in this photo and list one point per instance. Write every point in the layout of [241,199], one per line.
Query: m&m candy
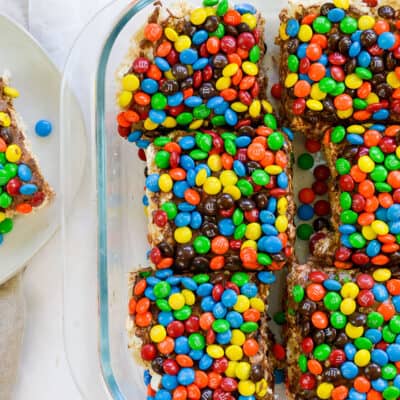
[43,128]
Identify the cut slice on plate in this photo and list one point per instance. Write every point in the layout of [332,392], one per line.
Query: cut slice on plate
[339,64]
[343,333]
[23,188]
[202,336]
[221,199]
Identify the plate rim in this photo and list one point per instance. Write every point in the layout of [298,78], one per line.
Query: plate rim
[52,231]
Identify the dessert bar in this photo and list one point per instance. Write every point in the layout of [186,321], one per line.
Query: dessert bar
[339,64]
[343,333]
[203,335]
[22,185]
[220,199]
[364,195]
[196,70]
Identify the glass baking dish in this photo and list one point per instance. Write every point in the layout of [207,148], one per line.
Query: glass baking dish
[104,226]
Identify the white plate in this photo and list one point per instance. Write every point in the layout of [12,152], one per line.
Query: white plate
[38,82]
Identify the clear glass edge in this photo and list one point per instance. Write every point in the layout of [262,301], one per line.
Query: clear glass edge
[98,124]
[104,345]
[97,161]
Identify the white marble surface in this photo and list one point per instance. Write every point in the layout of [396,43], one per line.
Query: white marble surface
[43,372]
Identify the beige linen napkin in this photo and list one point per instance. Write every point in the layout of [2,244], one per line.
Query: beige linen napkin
[11,332]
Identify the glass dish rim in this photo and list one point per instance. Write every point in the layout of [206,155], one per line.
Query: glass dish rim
[101,182]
